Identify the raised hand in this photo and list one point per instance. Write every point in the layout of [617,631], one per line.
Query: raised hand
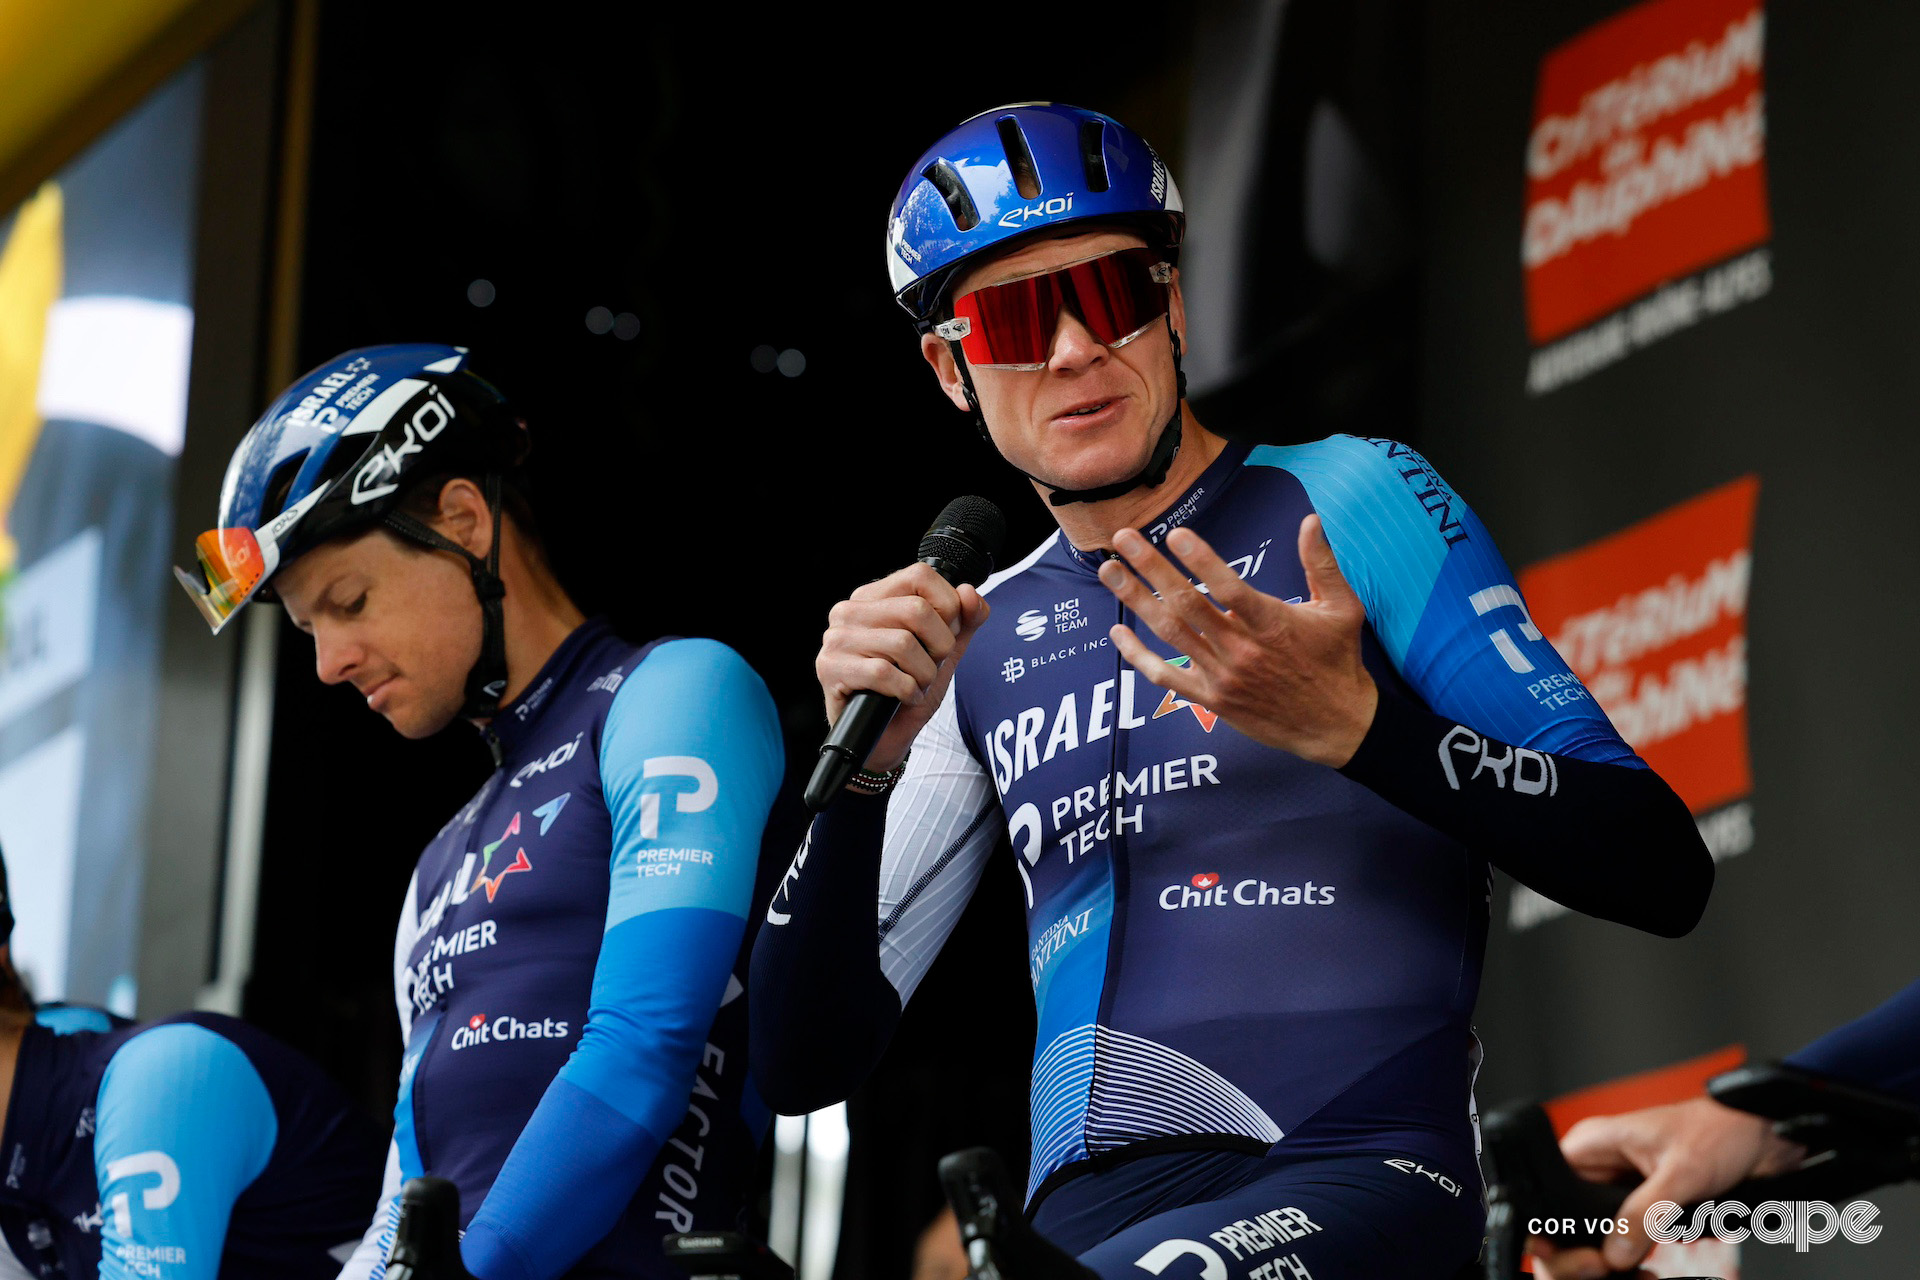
[1287,675]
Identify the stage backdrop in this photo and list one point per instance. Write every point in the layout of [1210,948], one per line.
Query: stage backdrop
[1667,351]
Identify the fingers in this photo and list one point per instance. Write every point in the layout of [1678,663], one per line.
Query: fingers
[913,615]
[895,637]
[1160,594]
[915,580]
[1184,681]
[844,674]
[1595,1148]
[1226,587]
[1623,1251]
[1325,583]
[973,616]
[900,647]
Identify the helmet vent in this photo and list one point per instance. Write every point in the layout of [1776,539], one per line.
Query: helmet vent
[1026,178]
[1093,153]
[274,499]
[946,180]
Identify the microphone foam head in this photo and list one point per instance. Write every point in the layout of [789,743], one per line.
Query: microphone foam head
[966,534]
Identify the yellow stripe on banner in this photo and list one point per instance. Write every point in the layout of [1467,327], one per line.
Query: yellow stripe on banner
[31,266]
[72,67]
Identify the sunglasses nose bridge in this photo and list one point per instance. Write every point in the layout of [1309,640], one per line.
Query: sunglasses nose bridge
[1071,335]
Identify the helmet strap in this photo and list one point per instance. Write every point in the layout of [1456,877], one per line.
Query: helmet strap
[488,678]
[1165,449]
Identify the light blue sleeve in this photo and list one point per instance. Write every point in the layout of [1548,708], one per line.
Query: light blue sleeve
[183,1125]
[690,760]
[1442,600]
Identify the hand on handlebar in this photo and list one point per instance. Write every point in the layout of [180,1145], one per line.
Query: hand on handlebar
[1687,1152]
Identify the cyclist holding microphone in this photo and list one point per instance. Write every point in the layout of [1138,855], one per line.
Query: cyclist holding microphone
[1255,722]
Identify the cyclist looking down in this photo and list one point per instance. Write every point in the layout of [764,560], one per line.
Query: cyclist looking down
[1255,721]
[565,965]
[180,1149]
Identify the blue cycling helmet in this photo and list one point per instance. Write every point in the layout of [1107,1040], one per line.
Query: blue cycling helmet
[1015,170]
[336,454]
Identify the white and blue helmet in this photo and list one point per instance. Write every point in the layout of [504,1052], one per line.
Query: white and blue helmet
[336,454]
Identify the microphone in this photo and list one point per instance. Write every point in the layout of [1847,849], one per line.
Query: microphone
[960,546]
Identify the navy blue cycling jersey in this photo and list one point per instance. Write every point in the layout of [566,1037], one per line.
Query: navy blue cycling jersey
[179,1150]
[1230,946]
[566,965]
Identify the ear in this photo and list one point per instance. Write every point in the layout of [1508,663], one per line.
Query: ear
[1177,312]
[463,516]
[939,354]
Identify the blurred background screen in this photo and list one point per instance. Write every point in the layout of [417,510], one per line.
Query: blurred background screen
[96,305]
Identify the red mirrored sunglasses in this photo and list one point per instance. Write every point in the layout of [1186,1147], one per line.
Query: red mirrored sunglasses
[1117,296]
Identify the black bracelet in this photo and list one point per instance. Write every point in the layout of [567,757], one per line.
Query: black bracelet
[865,782]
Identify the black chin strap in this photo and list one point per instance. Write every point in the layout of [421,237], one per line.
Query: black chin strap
[1165,449]
[488,679]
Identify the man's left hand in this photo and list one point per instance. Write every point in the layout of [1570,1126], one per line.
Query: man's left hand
[1287,675]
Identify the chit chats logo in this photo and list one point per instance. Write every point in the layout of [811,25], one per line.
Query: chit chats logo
[1207,890]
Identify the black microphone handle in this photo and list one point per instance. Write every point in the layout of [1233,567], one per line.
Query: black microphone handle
[853,738]
[859,727]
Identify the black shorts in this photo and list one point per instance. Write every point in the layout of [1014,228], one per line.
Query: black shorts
[1226,1216]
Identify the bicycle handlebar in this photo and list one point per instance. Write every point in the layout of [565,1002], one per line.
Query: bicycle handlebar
[426,1243]
[724,1255]
[426,1239]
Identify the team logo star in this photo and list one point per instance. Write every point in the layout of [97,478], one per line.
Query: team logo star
[492,884]
[1173,701]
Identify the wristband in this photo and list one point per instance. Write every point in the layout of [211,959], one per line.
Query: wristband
[865,782]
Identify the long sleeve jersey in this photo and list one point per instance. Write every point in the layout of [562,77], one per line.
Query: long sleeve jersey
[1230,946]
[569,963]
[183,1149]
